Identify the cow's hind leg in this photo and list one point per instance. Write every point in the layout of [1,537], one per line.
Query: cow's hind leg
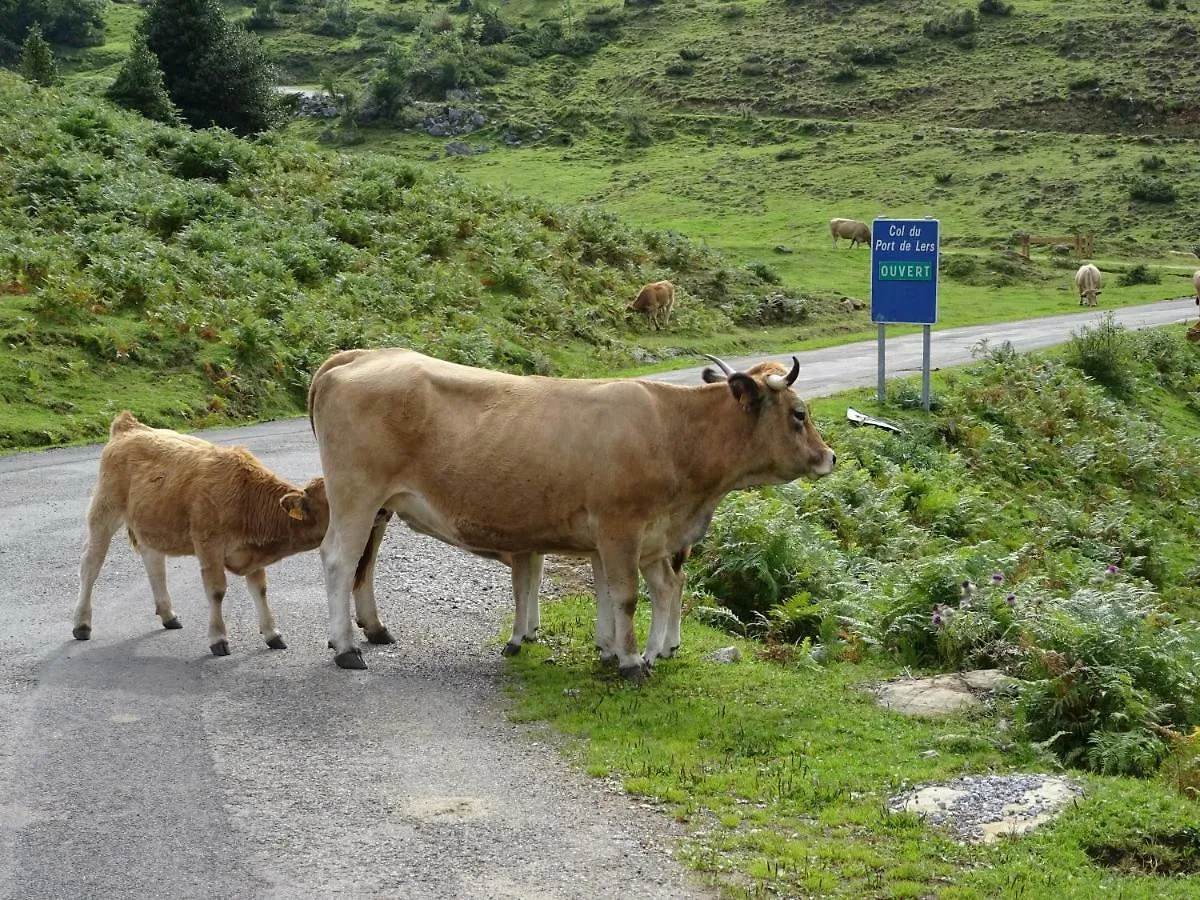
[212,571]
[256,582]
[102,523]
[526,581]
[351,522]
[365,609]
[156,572]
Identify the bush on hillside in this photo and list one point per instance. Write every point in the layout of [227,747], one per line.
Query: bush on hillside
[76,23]
[1151,189]
[1139,274]
[956,24]
[995,8]
[37,60]
[1103,354]
[139,85]
[215,72]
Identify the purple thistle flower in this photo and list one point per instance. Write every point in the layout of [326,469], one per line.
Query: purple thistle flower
[1111,570]
[1011,599]
[997,577]
[937,620]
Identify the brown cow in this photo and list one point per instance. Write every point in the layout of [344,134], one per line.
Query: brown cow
[1196,285]
[181,496]
[1087,280]
[858,232]
[511,467]
[654,298]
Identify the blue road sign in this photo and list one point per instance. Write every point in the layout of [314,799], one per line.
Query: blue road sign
[904,271]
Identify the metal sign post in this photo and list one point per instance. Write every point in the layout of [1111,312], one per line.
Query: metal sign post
[904,284]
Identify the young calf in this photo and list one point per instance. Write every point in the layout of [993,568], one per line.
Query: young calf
[181,496]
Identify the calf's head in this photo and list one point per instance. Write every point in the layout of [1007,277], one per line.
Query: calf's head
[310,510]
[784,442]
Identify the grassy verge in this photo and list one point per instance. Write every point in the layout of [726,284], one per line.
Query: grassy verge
[1061,487]
[783,772]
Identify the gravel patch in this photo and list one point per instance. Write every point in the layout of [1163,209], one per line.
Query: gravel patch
[982,808]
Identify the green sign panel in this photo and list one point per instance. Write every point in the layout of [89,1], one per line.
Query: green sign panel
[905,271]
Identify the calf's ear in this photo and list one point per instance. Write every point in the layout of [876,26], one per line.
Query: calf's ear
[295,504]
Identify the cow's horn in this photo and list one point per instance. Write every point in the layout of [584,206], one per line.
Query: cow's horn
[724,368]
[779,382]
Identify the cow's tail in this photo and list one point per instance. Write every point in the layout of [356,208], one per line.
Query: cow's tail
[314,387]
[122,423]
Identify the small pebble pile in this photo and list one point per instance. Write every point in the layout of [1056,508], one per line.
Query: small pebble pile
[981,808]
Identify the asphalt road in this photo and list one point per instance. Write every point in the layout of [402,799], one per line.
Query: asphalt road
[137,765]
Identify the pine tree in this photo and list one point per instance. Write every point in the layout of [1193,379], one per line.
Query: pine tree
[139,85]
[215,72]
[37,61]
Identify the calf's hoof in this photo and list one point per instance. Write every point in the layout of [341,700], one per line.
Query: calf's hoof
[276,643]
[82,632]
[172,623]
[635,674]
[220,648]
[382,636]
[350,659]
[510,649]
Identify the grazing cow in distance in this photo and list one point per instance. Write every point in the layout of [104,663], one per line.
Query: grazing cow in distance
[179,495]
[858,232]
[625,472]
[655,298]
[1196,285]
[1087,280]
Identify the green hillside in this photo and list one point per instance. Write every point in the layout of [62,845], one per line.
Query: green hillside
[199,279]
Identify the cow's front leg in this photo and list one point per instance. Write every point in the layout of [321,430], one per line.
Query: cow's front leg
[350,526]
[365,608]
[212,570]
[526,581]
[621,577]
[156,572]
[665,584]
[605,625]
[256,581]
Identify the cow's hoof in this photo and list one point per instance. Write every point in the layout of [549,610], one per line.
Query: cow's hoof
[510,649]
[607,659]
[220,648]
[172,623]
[276,643]
[382,636]
[350,659]
[635,674]
[670,652]
[82,632]
[531,638]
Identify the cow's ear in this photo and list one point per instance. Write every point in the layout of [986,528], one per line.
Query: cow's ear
[710,375]
[746,391]
[295,505]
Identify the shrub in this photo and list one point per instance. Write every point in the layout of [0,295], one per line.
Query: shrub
[1138,274]
[1152,190]
[866,54]
[37,61]
[210,154]
[1151,163]
[139,85]
[678,67]
[1157,4]
[763,272]
[691,54]
[732,11]
[1104,353]
[995,8]
[956,24]
[845,73]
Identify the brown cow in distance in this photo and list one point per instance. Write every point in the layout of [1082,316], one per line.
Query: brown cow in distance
[625,472]
[179,495]
[858,232]
[655,298]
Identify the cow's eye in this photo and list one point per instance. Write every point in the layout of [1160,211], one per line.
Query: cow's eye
[798,416]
